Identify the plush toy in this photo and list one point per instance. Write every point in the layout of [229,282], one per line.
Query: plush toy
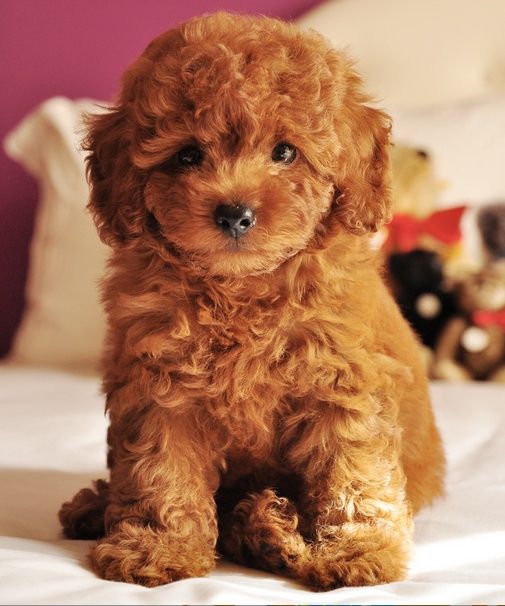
[472,344]
[491,224]
[414,241]
[414,188]
[417,282]
[482,240]
[417,223]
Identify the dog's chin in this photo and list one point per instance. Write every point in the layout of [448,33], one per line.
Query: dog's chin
[241,264]
[234,260]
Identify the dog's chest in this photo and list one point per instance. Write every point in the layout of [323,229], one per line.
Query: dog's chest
[263,353]
[243,363]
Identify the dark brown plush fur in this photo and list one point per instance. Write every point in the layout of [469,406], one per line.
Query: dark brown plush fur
[265,394]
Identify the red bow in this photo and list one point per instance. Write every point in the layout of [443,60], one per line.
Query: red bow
[485,318]
[405,231]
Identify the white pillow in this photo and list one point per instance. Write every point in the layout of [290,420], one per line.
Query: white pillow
[63,323]
[467,142]
[419,53]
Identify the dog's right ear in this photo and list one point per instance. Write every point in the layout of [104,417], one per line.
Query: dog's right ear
[116,186]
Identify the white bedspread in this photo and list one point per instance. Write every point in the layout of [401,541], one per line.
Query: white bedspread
[52,436]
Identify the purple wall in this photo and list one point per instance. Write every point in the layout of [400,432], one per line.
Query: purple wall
[76,48]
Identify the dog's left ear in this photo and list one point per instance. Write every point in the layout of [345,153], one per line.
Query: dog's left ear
[362,184]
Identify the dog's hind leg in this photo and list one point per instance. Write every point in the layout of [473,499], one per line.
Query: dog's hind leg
[83,516]
[262,532]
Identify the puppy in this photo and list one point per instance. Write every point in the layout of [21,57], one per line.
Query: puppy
[266,398]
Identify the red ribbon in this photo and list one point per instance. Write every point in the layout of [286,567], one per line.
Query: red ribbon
[485,318]
[405,231]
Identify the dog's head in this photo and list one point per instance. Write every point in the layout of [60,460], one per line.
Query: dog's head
[235,142]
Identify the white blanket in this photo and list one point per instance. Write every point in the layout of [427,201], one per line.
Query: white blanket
[52,442]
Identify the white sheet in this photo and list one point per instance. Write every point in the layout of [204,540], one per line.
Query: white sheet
[52,436]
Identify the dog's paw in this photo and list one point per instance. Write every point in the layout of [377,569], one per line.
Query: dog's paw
[262,532]
[332,565]
[83,516]
[136,554]
[368,569]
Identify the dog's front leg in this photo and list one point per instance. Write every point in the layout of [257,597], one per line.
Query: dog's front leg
[355,515]
[161,519]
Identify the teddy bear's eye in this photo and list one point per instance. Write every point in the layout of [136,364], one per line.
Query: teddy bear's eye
[284,152]
[191,155]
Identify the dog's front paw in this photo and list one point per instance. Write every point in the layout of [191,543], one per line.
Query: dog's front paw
[137,554]
[325,573]
[357,559]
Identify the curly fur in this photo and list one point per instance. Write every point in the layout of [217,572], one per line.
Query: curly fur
[265,396]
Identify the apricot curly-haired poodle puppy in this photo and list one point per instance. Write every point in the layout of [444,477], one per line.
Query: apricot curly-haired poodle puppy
[267,401]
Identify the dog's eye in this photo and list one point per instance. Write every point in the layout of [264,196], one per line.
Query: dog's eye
[191,155]
[284,152]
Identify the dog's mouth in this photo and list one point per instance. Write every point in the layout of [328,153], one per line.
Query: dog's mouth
[200,260]
[229,256]
[226,244]
[237,246]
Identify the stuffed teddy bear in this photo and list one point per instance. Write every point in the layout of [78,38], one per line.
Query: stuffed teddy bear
[491,225]
[414,187]
[482,240]
[417,223]
[417,281]
[417,233]
[472,344]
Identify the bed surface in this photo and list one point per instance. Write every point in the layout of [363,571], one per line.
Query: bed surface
[52,438]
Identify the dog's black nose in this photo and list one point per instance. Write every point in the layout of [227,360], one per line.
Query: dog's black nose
[234,219]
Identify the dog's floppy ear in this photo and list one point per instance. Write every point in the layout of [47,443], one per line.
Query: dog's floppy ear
[116,192]
[363,197]
[361,167]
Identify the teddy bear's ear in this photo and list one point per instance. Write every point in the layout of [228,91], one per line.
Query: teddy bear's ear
[116,193]
[363,197]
